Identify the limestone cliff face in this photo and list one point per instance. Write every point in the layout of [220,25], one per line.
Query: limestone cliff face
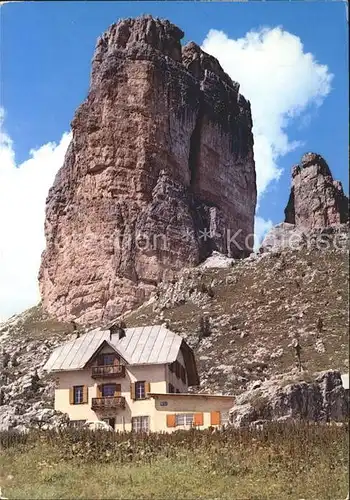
[162,151]
[316,200]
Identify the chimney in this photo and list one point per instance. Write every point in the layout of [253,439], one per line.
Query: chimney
[112,331]
[117,328]
[75,329]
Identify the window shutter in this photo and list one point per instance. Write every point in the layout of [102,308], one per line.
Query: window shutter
[99,391]
[147,388]
[215,418]
[171,420]
[132,391]
[71,396]
[118,390]
[198,419]
[85,394]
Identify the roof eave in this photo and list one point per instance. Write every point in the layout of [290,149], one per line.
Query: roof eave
[188,394]
[103,343]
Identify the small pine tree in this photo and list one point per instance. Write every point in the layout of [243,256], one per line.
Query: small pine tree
[35,381]
[297,350]
[14,361]
[319,325]
[204,327]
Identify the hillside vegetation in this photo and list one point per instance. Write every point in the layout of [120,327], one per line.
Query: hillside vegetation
[279,461]
[255,309]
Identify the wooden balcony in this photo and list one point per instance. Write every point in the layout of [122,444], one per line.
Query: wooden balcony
[108,403]
[108,371]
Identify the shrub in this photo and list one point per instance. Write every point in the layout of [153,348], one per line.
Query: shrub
[204,327]
[298,442]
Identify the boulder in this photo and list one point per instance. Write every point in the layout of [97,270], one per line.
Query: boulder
[322,399]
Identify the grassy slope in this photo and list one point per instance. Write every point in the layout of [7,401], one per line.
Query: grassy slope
[35,324]
[243,467]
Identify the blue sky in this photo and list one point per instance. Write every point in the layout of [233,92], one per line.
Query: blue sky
[46,50]
[45,70]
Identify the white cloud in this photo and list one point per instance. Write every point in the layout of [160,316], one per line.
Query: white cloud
[23,191]
[280,80]
[261,227]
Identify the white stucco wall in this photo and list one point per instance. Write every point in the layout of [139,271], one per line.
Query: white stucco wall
[345,380]
[158,376]
[188,404]
[154,374]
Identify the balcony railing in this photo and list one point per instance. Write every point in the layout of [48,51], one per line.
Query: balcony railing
[108,371]
[107,403]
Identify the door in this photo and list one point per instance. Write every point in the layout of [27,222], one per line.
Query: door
[110,421]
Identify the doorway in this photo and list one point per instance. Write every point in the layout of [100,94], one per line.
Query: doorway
[110,421]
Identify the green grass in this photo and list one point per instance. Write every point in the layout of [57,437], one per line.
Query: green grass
[280,462]
[38,325]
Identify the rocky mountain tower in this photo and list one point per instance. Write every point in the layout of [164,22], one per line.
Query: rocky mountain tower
[160,172]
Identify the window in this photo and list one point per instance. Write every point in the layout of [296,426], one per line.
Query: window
[225,417]
[171,388]
[76,423]
[106,359]
[140,424]
[140,392]
[179,370]
[108,390]
[78,394]
[177,391]
[184,419]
